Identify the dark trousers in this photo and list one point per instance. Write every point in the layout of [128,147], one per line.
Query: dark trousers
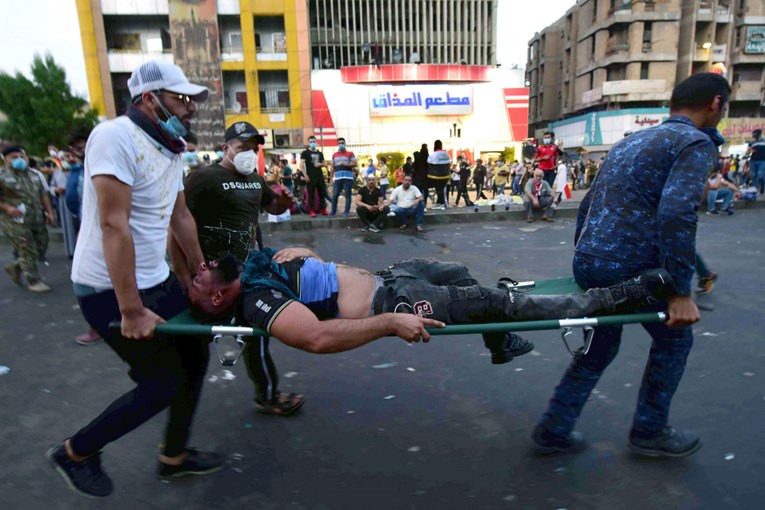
[422,185]
[462,192]
[440,186]
[168,372]
[316,183]
[665,367]
[261,368]
[376,218]
[549,176]
[447,292]
[479,191]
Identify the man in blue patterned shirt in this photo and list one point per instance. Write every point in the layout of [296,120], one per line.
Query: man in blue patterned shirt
[640,213]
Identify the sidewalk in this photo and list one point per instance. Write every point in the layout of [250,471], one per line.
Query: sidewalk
[567,209]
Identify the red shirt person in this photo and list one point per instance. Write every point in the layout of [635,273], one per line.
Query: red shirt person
[547,157]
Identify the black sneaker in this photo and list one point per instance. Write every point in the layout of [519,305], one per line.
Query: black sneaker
[373,228]
[670,443]
[505,347]
[86,477]
[546,443]
[645,290]
[196,463]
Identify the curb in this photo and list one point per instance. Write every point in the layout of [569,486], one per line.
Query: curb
[303,222]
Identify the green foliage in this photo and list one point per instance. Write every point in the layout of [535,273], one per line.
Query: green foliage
[509,154]
[42,110]
[394,159]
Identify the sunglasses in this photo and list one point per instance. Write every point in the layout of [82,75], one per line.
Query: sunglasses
[180,97]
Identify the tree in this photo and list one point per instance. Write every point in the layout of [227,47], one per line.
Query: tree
[43,110]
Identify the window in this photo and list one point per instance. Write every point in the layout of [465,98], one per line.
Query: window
[647,28]
[644,71]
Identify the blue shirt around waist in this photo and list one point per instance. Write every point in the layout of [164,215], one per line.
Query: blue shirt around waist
[641,211]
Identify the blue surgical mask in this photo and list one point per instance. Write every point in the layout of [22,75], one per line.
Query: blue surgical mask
[19,164]
[219,154]
[312,145]
[547,141]
[173,126]
[190,157]
[341,147]
[65,165]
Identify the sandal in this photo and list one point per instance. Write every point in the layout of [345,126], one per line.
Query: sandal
[281,405]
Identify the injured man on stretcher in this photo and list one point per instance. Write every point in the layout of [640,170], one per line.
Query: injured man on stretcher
[323,307]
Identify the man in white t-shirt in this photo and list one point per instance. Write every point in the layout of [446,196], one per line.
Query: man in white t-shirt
[409,202]
[133,191]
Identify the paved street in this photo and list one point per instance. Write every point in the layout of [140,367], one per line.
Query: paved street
[391,426]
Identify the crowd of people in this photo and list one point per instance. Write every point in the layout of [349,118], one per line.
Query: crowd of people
[136,191]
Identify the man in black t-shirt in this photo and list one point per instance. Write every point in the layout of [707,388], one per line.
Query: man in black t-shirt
[225,199]
[312,162]
[369,206]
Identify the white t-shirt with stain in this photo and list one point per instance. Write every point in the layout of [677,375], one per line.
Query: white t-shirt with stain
[120,148]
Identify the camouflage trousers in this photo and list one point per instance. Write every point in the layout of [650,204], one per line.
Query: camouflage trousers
[663,372]
[30,241]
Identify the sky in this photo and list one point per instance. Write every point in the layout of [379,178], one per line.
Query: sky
[40,26]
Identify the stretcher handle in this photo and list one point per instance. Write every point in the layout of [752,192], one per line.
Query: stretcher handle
[456,329]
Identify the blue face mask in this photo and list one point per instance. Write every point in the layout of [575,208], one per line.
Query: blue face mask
[547,141]
[219,154]
[341,147]
[312,145]
[173,126]
[19,164]
[190,157]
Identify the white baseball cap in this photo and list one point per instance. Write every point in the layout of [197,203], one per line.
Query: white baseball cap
[155,75]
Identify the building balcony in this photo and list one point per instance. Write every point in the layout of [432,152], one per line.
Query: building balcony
[719,52]
[273,48]
[275,99]
[615,47]
[750,90]
[126,61]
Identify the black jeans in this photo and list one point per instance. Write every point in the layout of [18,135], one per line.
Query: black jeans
[168,372]
[376,218]
[317,183]
[462,192]
[446,291]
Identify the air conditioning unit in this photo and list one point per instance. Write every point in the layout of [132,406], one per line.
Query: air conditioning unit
[281,141]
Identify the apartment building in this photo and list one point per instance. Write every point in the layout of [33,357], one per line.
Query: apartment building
[361,32]
[627,55]
[252,54]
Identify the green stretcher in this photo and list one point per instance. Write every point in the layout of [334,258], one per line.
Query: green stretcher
[184,323]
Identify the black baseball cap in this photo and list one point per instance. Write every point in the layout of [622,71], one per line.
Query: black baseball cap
[243,131]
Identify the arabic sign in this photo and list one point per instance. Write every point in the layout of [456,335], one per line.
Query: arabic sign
[192,26]
[416,100]
[739,130]
[755,40]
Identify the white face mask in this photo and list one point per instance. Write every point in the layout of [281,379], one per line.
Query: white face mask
[245,162]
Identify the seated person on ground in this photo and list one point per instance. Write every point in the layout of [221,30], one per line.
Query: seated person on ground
[323,307]
[369,206]
[409,202]
[538,196]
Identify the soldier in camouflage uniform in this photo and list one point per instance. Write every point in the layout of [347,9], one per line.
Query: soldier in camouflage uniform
[25,209]
[641,212]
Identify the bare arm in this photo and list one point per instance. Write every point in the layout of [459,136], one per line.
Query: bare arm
[180,264]
[50,215]
[184,230]
[114,198]
[298,327]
